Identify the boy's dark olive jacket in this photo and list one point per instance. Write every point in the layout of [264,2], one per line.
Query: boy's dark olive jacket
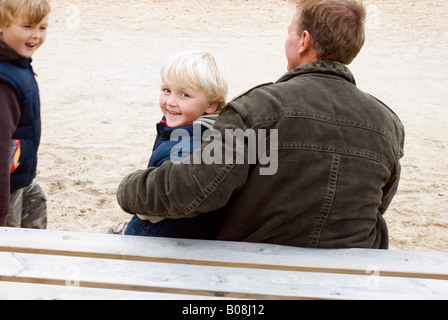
[338,167]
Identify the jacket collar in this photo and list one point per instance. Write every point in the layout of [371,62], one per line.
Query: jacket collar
[165,131]
[333,68]
[205,122]
[8,54]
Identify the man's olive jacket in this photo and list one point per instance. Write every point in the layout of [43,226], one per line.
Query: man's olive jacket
[330,170]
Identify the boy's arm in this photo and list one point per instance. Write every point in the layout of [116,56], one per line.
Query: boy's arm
[9,118]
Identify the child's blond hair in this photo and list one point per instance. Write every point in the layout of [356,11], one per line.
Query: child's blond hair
[32,11]
[198,70]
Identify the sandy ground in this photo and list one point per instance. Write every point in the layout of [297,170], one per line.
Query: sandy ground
[99,79]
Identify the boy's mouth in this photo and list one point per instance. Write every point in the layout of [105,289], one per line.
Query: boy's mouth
[174,113]
[31,45]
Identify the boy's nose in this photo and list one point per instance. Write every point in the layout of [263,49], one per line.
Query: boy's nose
[36,33]
[172,100]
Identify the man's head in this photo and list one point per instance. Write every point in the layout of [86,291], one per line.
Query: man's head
[23,24]
[325,30]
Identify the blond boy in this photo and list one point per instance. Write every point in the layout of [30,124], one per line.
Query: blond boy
[193,92]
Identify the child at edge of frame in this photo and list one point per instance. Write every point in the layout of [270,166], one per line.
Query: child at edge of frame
[23,27]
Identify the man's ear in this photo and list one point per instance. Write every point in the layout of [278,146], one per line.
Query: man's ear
[212,107]
[305,42]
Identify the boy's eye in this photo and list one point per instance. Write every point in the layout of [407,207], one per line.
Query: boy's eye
[185,95]
[166,90]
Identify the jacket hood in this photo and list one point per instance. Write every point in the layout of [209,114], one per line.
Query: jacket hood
[208,120]
[7,53]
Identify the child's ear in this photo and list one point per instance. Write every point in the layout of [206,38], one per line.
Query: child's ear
[212,107]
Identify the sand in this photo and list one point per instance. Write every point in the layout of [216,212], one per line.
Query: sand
[99,79]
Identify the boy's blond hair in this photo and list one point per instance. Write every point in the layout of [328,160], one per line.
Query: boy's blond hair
[198,70]
[32,11]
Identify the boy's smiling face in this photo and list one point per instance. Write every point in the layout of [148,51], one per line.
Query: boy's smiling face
[24,38]
[183,105]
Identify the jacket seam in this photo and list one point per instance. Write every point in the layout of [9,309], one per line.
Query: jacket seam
[347,123]
[220,177]
[327,203]
[206,191]
[209,189]
[316,117]
[334,150]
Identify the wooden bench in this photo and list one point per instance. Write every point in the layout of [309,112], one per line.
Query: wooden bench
[67,265]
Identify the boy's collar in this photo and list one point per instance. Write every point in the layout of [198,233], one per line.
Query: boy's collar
[8,54]
[207,121]
[163,122]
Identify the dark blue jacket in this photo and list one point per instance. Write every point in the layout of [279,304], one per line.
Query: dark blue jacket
[20,76]
[205,226]
[177,149]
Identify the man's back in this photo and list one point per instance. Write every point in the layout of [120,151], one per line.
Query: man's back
[338,162]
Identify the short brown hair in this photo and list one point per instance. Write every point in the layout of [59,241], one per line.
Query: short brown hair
[337,27]
[32,11]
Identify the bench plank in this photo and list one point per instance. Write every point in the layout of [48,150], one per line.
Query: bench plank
[209,281]
[419,265]
[34,291]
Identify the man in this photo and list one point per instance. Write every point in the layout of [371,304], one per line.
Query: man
[337,153]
